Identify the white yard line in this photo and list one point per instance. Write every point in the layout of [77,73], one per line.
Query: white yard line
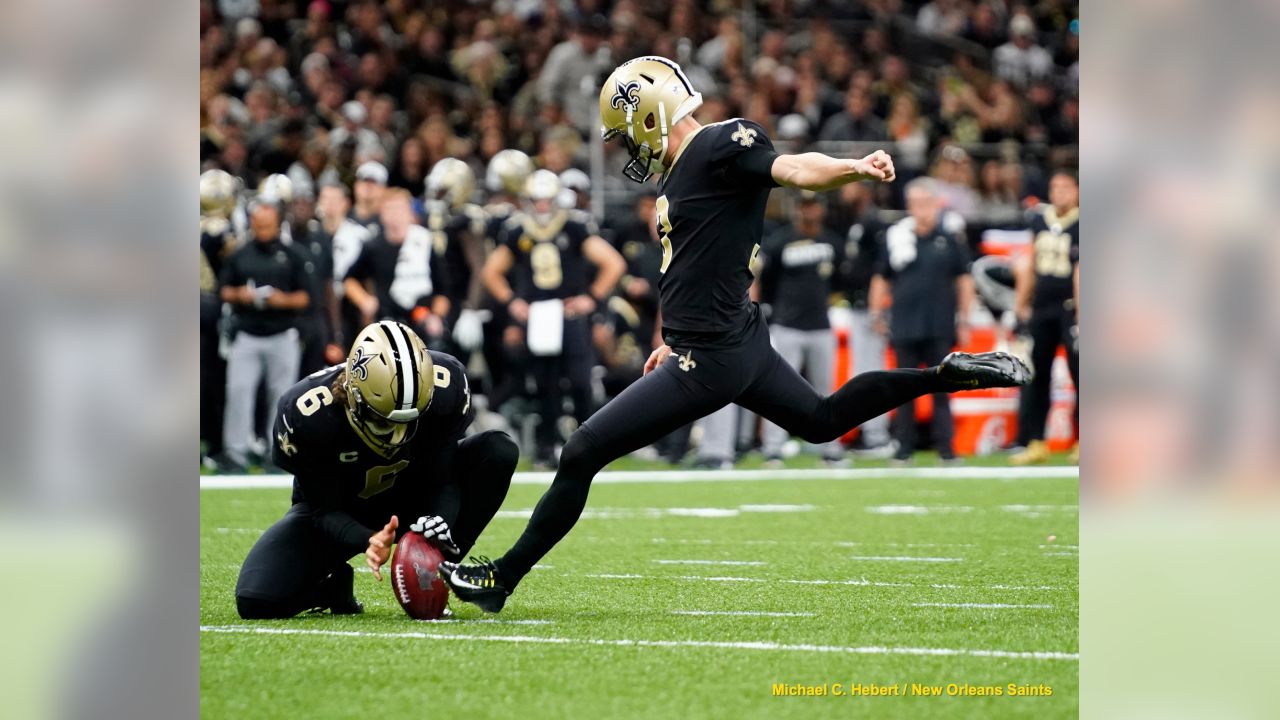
[237,482]
[757,646]
[905,558]
[857,582]
[983,605]
[742,613]
[711,562]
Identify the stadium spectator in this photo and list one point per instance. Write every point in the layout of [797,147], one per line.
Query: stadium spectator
[942,17]
[370,187]
[856,121]
[571,75]
[1021,60]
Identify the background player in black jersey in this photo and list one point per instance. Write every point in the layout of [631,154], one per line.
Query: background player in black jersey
[398,275]
[504,179]
[710,213]
[546,251]
[797,264]
[217,241]
[369,442]
[1047,304]
[457,230]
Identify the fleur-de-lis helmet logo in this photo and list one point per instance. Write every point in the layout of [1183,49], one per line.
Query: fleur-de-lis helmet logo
[360,364]
[626,95]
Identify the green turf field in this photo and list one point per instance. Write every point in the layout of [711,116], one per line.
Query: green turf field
[885,581]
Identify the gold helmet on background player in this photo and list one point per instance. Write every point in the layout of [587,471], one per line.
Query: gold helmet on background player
[507,172]
[451,180]
[276,189]
[388,384]
[640,103]
[217,193]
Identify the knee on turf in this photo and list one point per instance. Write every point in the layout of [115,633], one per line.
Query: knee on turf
[251,608]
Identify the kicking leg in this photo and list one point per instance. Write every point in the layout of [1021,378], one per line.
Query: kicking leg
[782,396]
[651,407]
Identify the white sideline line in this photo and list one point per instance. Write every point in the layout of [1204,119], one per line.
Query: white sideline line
[983,605]
[245,482]
[905,558]
[711,562]
[762,646]
[859,582]
[742,613]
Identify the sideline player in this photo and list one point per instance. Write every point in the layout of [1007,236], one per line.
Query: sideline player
[368,442]
[547,251]
[710,213]
[1047,304]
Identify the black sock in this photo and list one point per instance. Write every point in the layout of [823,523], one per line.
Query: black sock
[557,511]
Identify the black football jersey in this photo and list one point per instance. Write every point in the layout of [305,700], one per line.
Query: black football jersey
[549,263]
[334,469]
[450,231]
[1056,244]
[710,217]
[796,277]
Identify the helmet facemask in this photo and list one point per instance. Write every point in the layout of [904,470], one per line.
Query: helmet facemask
[386,432]
[641,165]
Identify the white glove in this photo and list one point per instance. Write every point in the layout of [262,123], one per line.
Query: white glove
[433,527]
[468,331]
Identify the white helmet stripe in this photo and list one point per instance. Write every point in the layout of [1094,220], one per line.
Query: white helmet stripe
[404,350]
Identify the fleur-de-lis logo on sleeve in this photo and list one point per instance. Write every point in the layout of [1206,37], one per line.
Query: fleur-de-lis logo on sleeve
[745,136]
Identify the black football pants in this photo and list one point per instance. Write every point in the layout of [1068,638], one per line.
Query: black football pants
[294,567]
[692,383]
[1049,328]
[551,373]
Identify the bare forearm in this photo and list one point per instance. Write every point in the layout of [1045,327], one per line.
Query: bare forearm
[818,172]
[878,294]
[1024,283]
[497,286]
[964,296]
[296,300]
[607,279]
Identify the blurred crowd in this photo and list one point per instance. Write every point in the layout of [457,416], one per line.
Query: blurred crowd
[346,128]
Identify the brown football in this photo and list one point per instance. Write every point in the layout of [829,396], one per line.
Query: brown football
[421,592]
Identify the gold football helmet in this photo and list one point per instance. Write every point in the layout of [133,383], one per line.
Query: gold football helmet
[640,103]
[507,172]
[451,180]
[276,188]
[217,193]
[389,381]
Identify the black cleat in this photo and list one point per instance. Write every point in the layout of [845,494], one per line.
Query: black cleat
[984,370]
[478,584]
